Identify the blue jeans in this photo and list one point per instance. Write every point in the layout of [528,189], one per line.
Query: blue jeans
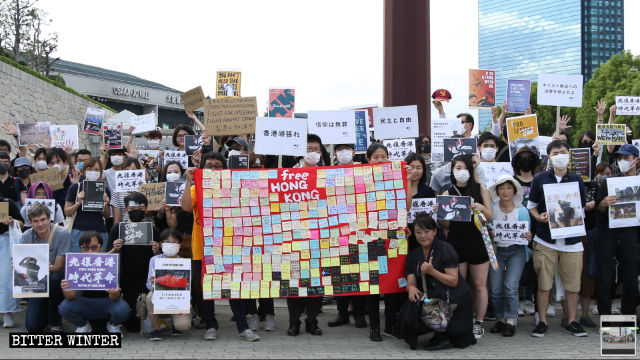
[75,240]
[81,309]
[44,311]
[504,282]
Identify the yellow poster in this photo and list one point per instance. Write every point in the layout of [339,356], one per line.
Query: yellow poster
[228,84]
[523,131]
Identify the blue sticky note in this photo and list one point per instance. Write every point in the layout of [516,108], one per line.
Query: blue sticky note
[266,229]
[297,234]
[323,223]
[295,215]
[324,233]
[208,250]
[314,263]
[342,209]
[344,218]
[383,215]
[227,259]
[219,268]
[294,207]
[255,211]
[246,251]
[273,174]
[391,204]
[379,185]
[237,259]
[401,194]
[382,265]
[304,274]
[315,281]
[333,210]
[217,223]
[268,239]
[313,223]
[236,175]
[276,219]
[325,253]
[322,204]
[314,244]
[257,250]
[266,220]
[363,258]
[402,282]
[402,204]
[333,220]
[315,253]
[217,232]
[371,196]
[208,241]
[388,185]
[207,203]
[277,238]
[268,250]
[313,213]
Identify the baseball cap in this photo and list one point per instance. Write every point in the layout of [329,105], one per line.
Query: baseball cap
[627,149]
[240,141]
[441,95]
[21,161]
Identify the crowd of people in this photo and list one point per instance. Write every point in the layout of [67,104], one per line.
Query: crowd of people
[448,260]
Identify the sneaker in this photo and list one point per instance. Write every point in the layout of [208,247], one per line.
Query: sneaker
[175,332]
[564,322]
[249,335]
[540,330]
[254,323]
[270,323]
[7,321]
[210,334]
[390,333]
[594,311]
[520,310]
[201,324]
[509,330]
[497,328]
[615,310]
[56,329]
[84,329]
[576,329]
[529,307]
[114,329]
[374,335]
[478,330]
[551,311]
[155,335]
[586,321]
[536,318]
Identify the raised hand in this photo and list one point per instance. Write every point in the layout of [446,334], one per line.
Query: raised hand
[10,128]
[564,120]
[601,108]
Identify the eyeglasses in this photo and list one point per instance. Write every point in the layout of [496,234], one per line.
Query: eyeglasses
[92,247]
[216,166]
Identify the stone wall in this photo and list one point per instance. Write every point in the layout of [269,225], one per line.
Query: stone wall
[25,98]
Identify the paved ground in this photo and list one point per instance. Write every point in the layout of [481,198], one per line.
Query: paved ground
[343,342]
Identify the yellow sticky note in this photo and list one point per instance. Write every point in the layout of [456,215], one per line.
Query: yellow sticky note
[206,283]
[361,207]
[373,266]
[275,207]
[374,289]
[364,267]
[345,269]
[321,182]
[264,293]
[275,292]
[228,231]
[402,246]
[266,275]
[381,204]
[207,193]
[325,262]
[392,253]
[286,248]
[357,171]
[328,290]
[217,212]
[364,286]
[324,243]
[245,294]
[235,285]
[304,264]
[305,254]
[381,195]
[335,261]
[354,268]
[255,293]
[257,259]
[295,246]
[315,272]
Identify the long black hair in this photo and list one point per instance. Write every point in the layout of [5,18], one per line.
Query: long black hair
[415,157]
[468,161]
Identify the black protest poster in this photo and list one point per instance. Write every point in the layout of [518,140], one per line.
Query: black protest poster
[239,162]
[454,208]
[192,143]
[93,195]
[136,233]
[173,192]
[459,146]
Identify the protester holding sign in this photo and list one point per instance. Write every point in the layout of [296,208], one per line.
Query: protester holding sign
[81,306]
[58,158]
[8,305]
[467,239]
[416,187]
[619,243]
[86,220]
[173,217]
[117,198]
[22,169]
[41,190]
[511,253]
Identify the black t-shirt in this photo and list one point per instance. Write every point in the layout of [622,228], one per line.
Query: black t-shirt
[444,256]
[590,190]
[424,191]
[14,212]
[9,190]
[86,220]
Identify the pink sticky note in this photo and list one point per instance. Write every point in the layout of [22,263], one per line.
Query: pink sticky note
[207,222]
[264,192]
[397,174]
[393,214]
[360,188]
[315,234]
[257,276]
[225,192]
[207,212]
[344,240]
[245,211]
[257,230]
[348,172]
[351,208]
[237,240]
[217,202]
[386,167]
[235,202]
[372,206]
[247,277]
[248,231]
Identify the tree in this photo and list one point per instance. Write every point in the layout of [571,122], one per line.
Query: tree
[17,16]
[38,47]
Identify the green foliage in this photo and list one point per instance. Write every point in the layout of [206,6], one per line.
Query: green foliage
[58,78]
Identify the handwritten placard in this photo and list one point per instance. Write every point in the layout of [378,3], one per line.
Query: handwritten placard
[144,123]
[333,126]
[627,105]
[193,99]
[228,84]
[395,122]
[61,135]
[154,193]
[230,116]
[177,155]
[50,176]
[129,180]
[611,134]
[421,205]
[399,149]
[281,136]
[511,232]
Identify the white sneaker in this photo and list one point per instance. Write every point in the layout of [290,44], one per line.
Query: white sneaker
[551,311]
[210,334]
[478,330]
[254,323]
[595,310]
[56,329]
[270,323]
[536,318]
[114,329]
[83,329]
[615,309]
[521,309]
[7,320]
[249,335]
[529,307]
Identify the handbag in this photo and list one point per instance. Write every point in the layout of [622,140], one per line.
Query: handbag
[435,313]
[69,220]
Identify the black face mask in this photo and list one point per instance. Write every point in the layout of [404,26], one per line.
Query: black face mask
[526,164]
[586,144]
[136,215]
[23,173]
[4,168]
[426,148]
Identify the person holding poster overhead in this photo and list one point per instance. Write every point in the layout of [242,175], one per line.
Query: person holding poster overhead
[81,306]
[467,239]
[549,253]
[8,305]
[620,243]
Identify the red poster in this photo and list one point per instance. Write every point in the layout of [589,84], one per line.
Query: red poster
[482,89]
[281,102]
[303,232]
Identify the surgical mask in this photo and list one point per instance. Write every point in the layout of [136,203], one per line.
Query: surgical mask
[79,165]
[136,215]
[488,154]
[117,160]
[154,144]
[560,161]
[625,165]
[92,175]
[4,168]
[234,152]
[170,249]
[462,176]
[62,167]
[312,158]
[345,156]
[173,177]
[41,165]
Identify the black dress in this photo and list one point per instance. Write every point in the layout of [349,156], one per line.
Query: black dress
[424,191]
[465,236]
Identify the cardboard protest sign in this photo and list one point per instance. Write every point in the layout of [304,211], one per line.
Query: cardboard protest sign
[518,94]
[395,122]
[281,102]
[399,149]
[239,161]
[489,171]
[361,129]
[627,105]
[144,123]
[227,84]
[281,136]
[129,180]
[49,203]
[459,146]
[50,176]
[482,89]
[580,162]
[193,99]
[177,155]
[136,233]
[154,193]
[624,213]
[63,134]
[192,143]
[565,210]
[611,134]
[523,131]
[560,90]
[112,135]
[304,231]
[440,130]
[93,120]
[511,232]
[543,142]
[230,116]
[454,208]
[93,195]
[30,270]
[421,205]
[173,192]
[91,271]
[333,126]
[172,286]
[4,210]
[33,133]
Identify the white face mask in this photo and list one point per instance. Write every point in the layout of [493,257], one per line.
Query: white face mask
[462,176]
[312,158]
[234,152]
[170,249]
[41,165]
[117,160]
[345,156]
[92,175]
[62,167]
[488,154]
[560,161]
[625,165]
[154,144]
[173,177]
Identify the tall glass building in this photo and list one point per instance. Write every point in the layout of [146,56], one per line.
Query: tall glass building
[522,38]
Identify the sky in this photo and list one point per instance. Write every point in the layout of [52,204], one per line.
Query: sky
[330,51]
